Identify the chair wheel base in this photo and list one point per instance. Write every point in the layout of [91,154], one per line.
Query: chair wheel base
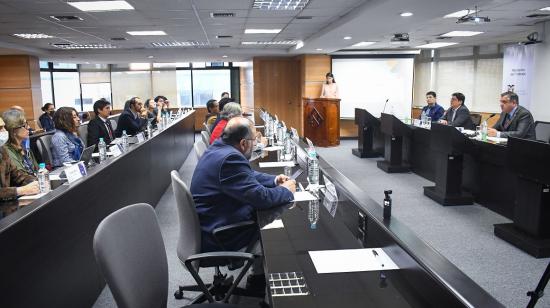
[179,294]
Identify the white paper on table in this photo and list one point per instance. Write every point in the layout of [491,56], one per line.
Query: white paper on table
[276,224]
[351,260]
[497,140]
[303,196]
[97,154]
[273,148]
[33,197]
[274,164]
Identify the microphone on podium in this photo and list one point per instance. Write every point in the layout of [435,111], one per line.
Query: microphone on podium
[383,110]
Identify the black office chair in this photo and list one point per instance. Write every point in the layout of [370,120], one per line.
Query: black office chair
[131,256]
[189,248]
[44,145]
[476,118]
[542,131]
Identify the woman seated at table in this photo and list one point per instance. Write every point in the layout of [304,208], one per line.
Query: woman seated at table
[230,110]
[13,182]
[46,119]
[66,145]
[153,114]
[18,145]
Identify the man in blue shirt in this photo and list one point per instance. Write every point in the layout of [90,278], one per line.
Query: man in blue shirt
[432,110]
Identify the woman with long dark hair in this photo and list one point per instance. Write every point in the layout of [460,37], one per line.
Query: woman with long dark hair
[66,145]
[330,89]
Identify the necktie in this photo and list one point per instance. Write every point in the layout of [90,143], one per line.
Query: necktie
[454,114]
[507,121]
[109,130]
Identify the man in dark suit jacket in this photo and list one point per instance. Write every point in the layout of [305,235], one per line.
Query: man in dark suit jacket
[226,190]
[458,115]
[100,126]
[515,120]
[133,119]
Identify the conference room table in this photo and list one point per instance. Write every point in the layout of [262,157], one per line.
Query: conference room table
[352,220]
[46,244]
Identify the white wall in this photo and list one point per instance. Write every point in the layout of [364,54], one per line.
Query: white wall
[540,99]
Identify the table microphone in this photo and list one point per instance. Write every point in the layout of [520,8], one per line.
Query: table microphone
[383,110]
[492,115]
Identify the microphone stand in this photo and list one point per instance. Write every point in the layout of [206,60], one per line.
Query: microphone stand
[539,291]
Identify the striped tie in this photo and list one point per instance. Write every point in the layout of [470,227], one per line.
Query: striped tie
[507,121]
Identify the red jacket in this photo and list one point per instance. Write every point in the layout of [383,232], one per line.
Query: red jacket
[218,130]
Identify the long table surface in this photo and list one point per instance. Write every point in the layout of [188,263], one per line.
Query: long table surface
[47,255]
[425,278]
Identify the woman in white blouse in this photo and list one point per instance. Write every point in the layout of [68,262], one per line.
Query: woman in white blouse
[330,89]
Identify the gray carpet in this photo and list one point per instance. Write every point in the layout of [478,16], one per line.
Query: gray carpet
[463,234]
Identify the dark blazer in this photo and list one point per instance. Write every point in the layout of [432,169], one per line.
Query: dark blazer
[11,177]
[226,191]
[129,123]
[97,129]
[462,118]
[46,122]
[521,126]
[435,113]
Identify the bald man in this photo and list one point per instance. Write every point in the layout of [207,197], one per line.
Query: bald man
[226,190]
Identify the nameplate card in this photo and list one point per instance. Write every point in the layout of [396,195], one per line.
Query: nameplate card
[140,137]
[115,150]
[75,172]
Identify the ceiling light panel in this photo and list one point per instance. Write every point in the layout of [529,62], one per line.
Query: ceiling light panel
[363,44]
[179,44]
[461,33]
[101,6]
[262,31]
[287,5]
[137,33]
[460,14]
[436,45]
[270,43]
[84,46]
[32,35]
[545,8]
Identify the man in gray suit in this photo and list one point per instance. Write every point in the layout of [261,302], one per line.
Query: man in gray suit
[515,120]
[458,114]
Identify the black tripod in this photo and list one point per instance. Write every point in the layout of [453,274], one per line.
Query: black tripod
[539,291]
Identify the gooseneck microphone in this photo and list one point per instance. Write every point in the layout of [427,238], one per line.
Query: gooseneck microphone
[383,110]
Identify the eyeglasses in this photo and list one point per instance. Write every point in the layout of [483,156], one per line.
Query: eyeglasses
[26,126]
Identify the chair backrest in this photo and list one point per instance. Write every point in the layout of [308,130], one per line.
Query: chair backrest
[129,250]
[200,148]
[113,123]
[205,137]
[476,118]
[83,133]
[189,241]
[542,131]
[207,128]
[44,144]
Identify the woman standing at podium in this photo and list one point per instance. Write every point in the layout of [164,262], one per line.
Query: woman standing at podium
[330,89]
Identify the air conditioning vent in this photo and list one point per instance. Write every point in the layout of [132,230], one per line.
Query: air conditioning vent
[537,15]
[224,46]
[222,14]
[118,39]
[224,36]
[304,17]
[66,18]
[443,37]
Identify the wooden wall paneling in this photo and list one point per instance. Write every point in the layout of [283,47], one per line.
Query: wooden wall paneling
[15,72]
[348,128]
[21,97]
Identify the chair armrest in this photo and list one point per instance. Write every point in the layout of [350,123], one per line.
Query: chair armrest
[230,230]
[219,255]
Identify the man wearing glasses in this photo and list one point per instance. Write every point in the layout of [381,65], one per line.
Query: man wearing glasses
[515,120]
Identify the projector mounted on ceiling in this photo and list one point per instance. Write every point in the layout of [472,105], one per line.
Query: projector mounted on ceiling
[473,18]
[400,39]
[532,38]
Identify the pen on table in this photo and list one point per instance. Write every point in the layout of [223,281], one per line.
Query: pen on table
[376,256]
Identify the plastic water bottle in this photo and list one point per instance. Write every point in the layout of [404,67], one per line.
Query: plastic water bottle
[313,213]
[102,150]
[288,147]
[149,131]
[312,167]
[124,141]
[484,131]
[280,133]
[43,178]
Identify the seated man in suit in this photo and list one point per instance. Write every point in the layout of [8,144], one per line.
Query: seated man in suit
[100,126]
[458,114]
[515,120]
[226,190]
[433,109]
[133,119]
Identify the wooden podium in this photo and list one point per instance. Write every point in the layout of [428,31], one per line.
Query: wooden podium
[322,121]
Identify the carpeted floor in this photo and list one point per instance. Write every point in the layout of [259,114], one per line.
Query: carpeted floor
[462,234]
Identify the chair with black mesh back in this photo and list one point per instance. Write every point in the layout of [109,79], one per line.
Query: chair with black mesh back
[476,118]
[189,244]
[44,144]
[130,252]
[542,131]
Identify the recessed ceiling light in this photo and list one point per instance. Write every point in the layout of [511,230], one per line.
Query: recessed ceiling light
[406,14]
[299,44]
[347,37]
[363,44]
[146,32]
[435,45]
[279,4]
[101,6]
[461,33]
[545,8]
[319,49]
[224,56]
[150,57]
[32,35]
[262,31]
[460,13]
[269,43]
